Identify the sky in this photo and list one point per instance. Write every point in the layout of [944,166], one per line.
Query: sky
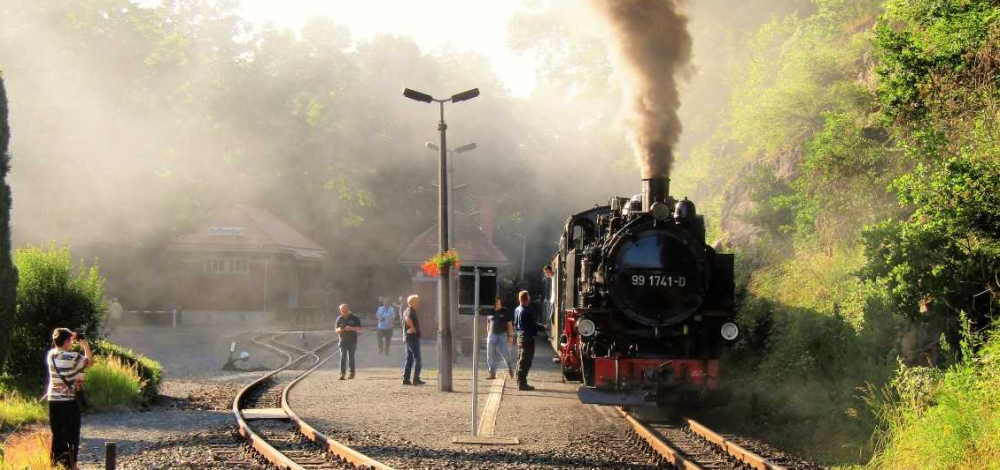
[476,25]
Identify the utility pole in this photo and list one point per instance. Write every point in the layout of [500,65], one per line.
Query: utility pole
[444,342]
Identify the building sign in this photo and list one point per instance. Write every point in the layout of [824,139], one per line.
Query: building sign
[227,231]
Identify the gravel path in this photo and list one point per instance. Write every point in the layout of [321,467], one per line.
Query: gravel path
[413,427]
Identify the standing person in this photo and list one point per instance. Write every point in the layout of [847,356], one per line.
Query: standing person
[411,325]
[401,305]
[548,302]
[65,380]
[501,334]
[385,314]
[527,327]
[348,327]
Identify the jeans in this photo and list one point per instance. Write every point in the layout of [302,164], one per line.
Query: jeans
[384,336]
[412,358]
[347,356]
[64,420]
[526,347]
[496,349]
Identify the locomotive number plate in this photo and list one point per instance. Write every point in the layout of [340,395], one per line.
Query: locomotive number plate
[657,280]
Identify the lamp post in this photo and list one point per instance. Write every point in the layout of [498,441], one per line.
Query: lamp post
[452,242]
[524,244]
[444,281]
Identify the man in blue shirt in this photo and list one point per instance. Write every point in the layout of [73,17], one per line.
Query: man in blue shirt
[385,314]
[526,324]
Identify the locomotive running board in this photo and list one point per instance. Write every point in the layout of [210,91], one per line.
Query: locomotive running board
[593,396]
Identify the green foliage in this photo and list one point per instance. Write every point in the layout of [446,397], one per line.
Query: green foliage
[150,372]
[51,295]
[943,420]
[945,258]
[113,384]
[16,410]
[8,274]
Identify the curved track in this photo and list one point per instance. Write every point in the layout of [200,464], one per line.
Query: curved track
[298,446]
[693,446]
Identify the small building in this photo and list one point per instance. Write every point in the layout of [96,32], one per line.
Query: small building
[246,264]
[474,243]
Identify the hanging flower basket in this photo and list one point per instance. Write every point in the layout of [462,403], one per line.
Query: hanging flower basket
[441,262]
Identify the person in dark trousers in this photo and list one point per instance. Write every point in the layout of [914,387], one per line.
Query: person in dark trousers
[348,327]
[501,333]
[526,324]
[411,325]
[385,314]
[65,380]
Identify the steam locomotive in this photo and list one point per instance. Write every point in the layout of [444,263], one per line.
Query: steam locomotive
[640,307]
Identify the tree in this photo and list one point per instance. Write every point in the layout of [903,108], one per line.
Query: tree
[8,274]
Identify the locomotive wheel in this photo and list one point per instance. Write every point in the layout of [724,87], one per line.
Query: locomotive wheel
[570,376]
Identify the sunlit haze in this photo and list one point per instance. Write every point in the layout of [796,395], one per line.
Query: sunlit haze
[475,25]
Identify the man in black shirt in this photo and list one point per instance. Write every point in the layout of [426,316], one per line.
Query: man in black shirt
[527,326]
[411,325]
[348,327]
[501,333]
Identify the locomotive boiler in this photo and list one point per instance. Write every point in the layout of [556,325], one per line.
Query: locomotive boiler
[640,307]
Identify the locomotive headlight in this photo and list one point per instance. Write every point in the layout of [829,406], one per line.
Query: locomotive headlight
[586,327]
[730,331]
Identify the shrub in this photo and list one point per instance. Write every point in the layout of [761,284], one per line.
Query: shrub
[50,295]
[150,371]
[26,451]
[113,384]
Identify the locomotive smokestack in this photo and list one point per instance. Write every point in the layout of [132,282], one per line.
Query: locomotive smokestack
[654,190]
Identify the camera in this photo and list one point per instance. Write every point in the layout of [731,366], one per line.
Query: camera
[80,336]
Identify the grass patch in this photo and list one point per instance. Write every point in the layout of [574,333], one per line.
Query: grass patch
[150,371]
[17,411]
[113,384]
[26,451]
[938,421]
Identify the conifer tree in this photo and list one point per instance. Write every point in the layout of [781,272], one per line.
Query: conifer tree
[8,274]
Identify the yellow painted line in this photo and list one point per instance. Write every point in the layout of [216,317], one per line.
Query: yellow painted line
[488,420]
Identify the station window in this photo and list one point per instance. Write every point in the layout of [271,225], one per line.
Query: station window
[231,265]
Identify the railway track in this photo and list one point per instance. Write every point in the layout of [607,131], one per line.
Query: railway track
[269,426]
[693,446]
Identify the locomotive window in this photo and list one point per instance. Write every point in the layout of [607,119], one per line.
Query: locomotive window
[582,232]
[656,252]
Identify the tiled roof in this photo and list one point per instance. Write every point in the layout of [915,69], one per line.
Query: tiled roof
[245,228]
[473,246]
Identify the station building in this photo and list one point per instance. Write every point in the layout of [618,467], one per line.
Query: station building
[474,243]
[245,264]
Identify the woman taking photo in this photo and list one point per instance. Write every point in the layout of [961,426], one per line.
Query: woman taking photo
[65,381]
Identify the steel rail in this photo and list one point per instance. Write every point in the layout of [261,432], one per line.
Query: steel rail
[331,445]
[660,446]
[735,450]
[256,441]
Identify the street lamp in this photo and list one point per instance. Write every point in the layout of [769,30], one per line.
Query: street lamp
[444,281]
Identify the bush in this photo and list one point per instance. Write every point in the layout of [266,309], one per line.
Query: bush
[113,384]
[26,451]
[50,295]
[150,371]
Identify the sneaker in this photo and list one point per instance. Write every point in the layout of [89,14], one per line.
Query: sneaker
[492,376]
[351,376]
[341,377]
[510,373]
[418,382]
[407,382]
[525,387]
